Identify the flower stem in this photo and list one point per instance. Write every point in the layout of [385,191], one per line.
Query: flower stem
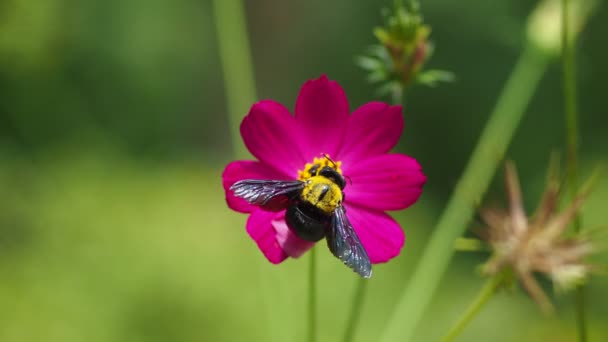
[355,313]
[478,173]
[571,116]
[487,291]
[312,298]
[237,67]
[581,315]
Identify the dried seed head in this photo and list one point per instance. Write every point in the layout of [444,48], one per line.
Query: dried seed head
[536,244]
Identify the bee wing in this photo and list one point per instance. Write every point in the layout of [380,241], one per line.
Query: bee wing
[345,245]
[269,194]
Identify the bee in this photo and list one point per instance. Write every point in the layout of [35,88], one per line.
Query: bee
[314,210]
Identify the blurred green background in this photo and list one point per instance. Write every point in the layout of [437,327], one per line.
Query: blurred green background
[114,134]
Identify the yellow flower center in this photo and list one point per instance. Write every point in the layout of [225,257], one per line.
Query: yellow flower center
[312,169]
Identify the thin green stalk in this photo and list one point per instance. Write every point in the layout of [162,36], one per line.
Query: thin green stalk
[478,173]
[571,116]
[581,315]
[237,67]
[312,298]
[397,95]
[355,312]
[487,291]
[570,101]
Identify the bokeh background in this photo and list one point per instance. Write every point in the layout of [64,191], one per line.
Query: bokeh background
[114,134]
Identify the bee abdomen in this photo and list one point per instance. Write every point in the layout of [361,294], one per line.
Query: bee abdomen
[307,222]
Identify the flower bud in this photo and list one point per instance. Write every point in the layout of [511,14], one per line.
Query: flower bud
[404,49]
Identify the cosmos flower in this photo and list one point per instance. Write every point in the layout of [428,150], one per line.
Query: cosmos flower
[287,146]
[537,244]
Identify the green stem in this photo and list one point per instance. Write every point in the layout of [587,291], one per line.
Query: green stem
[581,316]
[571,116]
[355,313]
[397,95]
[312,298]
[237,67]
[478,173]
[487,291]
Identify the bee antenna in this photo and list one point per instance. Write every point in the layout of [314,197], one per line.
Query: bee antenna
[327,157]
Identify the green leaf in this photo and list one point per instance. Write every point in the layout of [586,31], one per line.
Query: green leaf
[369,63]
[433,77]
[381,35]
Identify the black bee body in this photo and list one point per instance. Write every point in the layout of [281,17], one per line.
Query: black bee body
[314,210]
[307,221]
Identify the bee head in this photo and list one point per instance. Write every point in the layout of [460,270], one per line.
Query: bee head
[333,175]
[325,167]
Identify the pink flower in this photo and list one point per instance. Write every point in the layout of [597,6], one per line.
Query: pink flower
[359,143]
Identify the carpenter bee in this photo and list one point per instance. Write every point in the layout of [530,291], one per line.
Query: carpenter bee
[314,210]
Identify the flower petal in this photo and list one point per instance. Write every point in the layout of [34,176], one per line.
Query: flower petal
[373,129]
[273,237]
[291,244]
[386,182]
[271,135]
[245,169]
[260,229]
[380,234]
[321,114]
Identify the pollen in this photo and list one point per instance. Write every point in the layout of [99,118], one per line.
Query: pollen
[311,169]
